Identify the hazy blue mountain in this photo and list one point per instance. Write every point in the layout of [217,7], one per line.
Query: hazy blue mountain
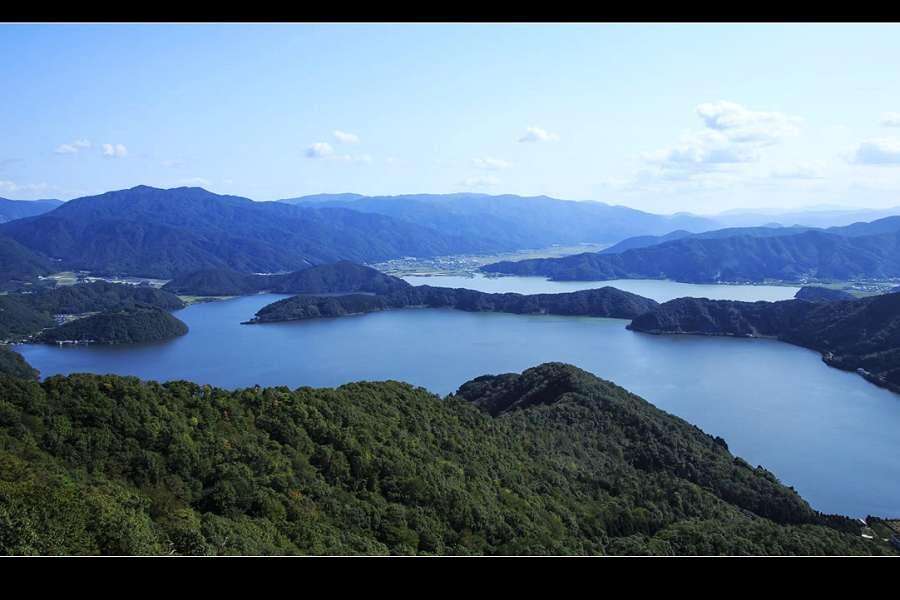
[515,221]
[807,255]
[822,218]
[161,233]
[10,210]
[884,225]
[642,241]
[650,240]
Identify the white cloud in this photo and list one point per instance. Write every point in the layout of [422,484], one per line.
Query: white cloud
[472,182]
[319,150]
[536,134]
[324,150]
[171,163]
[346,138]
[114,150]
[883,151]
[73,147]
[740,124]
[11,187]
[890,119]
[705,149]
[733,135]
[493,164]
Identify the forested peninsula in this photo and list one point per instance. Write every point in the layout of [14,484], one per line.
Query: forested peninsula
[855,335]
[602,302]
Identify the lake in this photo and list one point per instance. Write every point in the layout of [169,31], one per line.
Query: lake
[660,290]
[830,434]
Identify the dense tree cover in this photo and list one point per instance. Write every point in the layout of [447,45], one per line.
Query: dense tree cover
[855,335]
[101,296]
[25,314]
[570,464]
[601,302]
[131,325]
[19,263]
[19,319]
[10,210]
[697,259]
[163,233]
[12,364]
[514,222]
[339,277]
[216,282]
[815,293]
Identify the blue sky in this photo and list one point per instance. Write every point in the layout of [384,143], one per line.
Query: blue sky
[666,118]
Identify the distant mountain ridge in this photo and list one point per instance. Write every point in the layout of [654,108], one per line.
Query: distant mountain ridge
[10,210]
[515,222]
[812,254]
[884,225]
[153,232]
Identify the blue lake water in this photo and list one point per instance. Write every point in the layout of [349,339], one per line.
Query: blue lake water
[829,433]
[657,289]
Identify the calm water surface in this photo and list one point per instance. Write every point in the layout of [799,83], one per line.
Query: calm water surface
[830,434]
[660,290]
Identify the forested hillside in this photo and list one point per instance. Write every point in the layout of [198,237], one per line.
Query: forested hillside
[602,302]
[552,461]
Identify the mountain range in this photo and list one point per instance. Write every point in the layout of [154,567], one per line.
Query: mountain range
[861,250]
[515,222]
[10,210]
[152,232]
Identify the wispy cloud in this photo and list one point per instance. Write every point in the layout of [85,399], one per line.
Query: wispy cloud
[883,151]
[324,150]
[890,119]
[740,124]
[536,134]
[73,147]
[11,187]
[493,164]
[346,138]
[114,150]
[705,148]
[320,150]
[733,135]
